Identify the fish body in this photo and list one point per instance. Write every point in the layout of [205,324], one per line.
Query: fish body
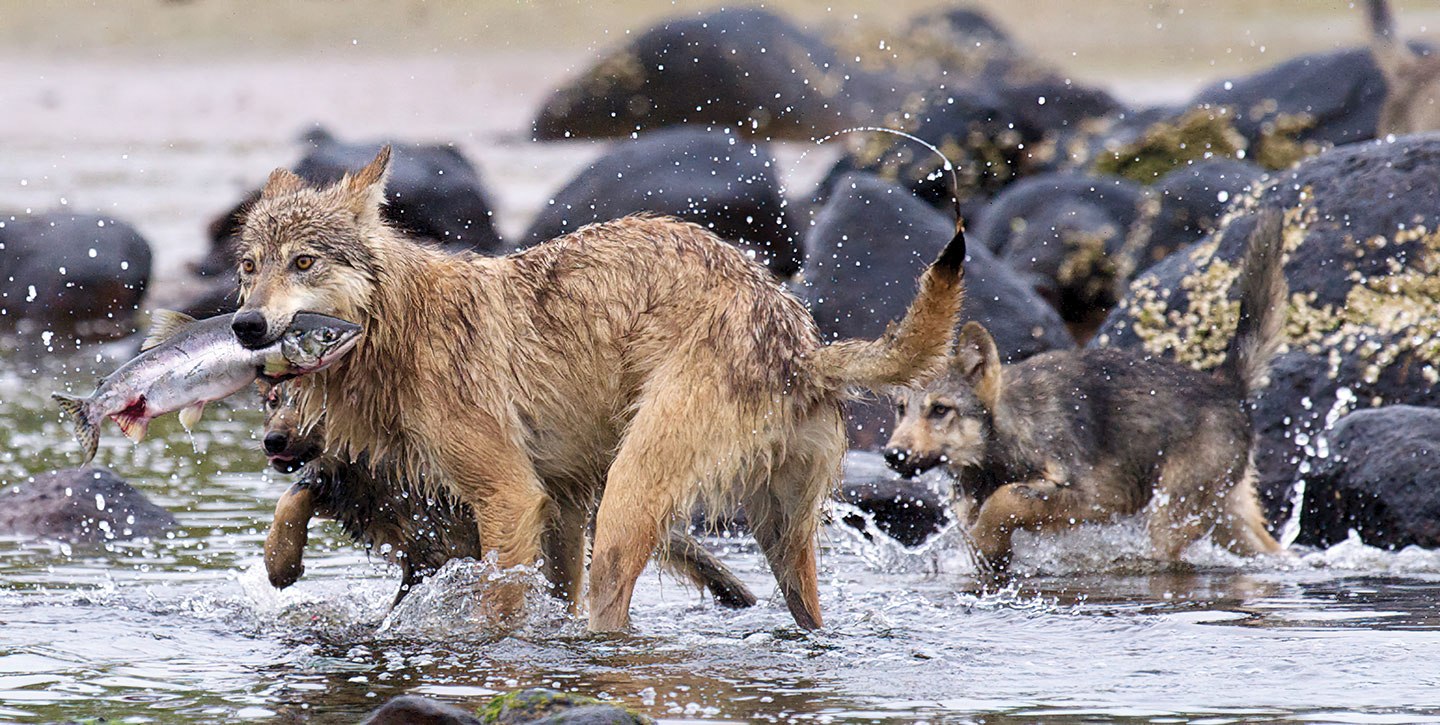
[186,363]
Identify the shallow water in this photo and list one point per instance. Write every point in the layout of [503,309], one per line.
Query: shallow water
[168,133]
[186,625]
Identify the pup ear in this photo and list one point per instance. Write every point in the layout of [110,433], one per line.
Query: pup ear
[365,190]
[978,363]
[280,183]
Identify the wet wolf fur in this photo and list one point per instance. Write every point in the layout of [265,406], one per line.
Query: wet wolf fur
[1412,80]
[416,529]
[640,362]
[1084,435]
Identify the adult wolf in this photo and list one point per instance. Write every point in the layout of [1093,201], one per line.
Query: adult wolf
[639,363]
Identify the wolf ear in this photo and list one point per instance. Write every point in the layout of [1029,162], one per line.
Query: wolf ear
[365,189]
[978,363]
[281,182]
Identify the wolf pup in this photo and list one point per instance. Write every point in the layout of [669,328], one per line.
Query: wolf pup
[639,363]
[1084,435]
[413,528]
[1412,80]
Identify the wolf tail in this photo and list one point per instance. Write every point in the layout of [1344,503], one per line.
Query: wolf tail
[86,430]
[1263,295]
[914,348]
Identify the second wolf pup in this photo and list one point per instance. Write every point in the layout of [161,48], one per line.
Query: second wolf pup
[1084,435]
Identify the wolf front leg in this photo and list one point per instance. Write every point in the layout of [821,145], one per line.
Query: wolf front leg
[498,482]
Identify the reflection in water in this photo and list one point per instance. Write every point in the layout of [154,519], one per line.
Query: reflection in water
[186,624]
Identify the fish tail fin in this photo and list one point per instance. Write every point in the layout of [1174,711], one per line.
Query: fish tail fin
[86,431]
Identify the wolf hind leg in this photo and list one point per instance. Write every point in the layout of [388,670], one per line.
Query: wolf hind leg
[784,514]
[684,434]
[1242,527]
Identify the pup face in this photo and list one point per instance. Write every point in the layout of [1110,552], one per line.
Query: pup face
[304,249]
[948,423]
[287,446]
[944,425]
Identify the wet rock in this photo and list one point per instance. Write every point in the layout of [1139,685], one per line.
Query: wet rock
[706,177]
[1185,205]
[947,47]
[976,130]
[1381,479]
[1362,235]
[867,248]
[416,710]
[747,69]
[80,505]
[907,510]
[1065,233]
[433,193]
[537,706]
[1311,101]
[74,274]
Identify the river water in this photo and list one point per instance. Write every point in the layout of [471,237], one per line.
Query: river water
[186,627]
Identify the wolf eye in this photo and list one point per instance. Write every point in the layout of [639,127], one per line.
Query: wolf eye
[939,410]
[900,408]
[247,266]
[304,262]
[272,401]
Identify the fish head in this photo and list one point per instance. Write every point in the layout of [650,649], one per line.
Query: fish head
[315,341]
[308,248]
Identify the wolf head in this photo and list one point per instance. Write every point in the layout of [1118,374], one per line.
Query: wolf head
[288,443]
[309,249]
[948,422]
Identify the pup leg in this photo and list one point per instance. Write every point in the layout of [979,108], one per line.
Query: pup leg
[1031,505]
[685,557]
[565,552]
[285,543]
[1191,501]
[1242,527]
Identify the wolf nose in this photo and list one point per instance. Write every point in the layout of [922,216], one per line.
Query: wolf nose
[896,458]
[276,442]
[249,327]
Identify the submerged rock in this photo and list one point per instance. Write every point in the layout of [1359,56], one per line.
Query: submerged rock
[746,69]
[1362,237]
[80,275]
[433,193]
[868,247]
[1380,477]
[706,177]
[80,505]
[416,710]
[537,706]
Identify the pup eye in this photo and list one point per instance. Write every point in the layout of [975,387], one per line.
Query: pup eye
[304,262]
[939,410]
[900,408]
[247,266]
[272,401]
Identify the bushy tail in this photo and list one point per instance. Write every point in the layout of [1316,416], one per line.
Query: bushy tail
[685,557]
[916,347]
[1263,294]
[1390,53]
[86,430]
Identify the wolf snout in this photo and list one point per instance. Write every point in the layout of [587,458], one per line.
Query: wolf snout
[276,443]
[250,328]
[907,463]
